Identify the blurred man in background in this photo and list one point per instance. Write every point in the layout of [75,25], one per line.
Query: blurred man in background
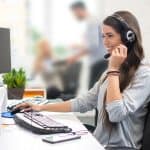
[92,46]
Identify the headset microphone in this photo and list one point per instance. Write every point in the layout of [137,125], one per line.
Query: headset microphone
[106,56]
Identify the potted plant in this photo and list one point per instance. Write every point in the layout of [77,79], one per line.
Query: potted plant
[15,81]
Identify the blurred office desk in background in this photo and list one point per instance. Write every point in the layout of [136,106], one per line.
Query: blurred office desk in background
[35,87]
[32,92]
[13,137]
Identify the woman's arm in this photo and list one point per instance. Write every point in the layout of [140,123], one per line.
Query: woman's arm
[80,104]
[133,97]
[117,58]
[120,105]
[56,107]
[113,89]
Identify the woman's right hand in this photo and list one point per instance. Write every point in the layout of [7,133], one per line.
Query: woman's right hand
[28,107]
[118,56]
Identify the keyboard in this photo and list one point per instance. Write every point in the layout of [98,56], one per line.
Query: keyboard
[43,120]
[40,124]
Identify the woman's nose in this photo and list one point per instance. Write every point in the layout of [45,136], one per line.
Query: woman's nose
[105,41]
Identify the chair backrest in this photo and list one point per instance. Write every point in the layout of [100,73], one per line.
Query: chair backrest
[70,78]
[146,134]
[96,71]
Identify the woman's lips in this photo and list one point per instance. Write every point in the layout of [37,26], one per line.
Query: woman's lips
[109,48]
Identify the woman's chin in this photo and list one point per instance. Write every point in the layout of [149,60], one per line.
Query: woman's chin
[109,51]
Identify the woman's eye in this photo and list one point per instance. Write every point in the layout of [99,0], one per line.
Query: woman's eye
[110,35]
[107,36]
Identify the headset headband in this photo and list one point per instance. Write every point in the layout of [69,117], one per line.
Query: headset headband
[119,18]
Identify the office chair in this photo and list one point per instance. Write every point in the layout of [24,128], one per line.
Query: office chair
[96,71]
[70,80]
[146,133]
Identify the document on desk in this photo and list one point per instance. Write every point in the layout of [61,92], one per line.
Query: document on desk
[7,121]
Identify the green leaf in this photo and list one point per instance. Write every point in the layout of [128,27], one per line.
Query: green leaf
[15,78]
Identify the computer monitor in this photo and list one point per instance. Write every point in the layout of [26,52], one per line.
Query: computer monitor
[5,55]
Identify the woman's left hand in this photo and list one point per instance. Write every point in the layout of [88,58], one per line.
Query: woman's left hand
[118,56]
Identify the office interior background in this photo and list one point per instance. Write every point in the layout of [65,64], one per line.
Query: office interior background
[30,20]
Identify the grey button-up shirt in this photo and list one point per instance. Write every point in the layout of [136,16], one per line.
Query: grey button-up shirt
[126,114]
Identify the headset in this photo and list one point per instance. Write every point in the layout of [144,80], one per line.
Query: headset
[128,36]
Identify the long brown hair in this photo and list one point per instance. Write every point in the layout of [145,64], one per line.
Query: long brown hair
[135,49]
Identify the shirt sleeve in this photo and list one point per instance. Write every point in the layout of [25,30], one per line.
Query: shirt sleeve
[86,102]
[134,97]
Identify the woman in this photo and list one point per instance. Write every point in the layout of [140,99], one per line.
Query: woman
[43,57]
[122,93]
[44,65]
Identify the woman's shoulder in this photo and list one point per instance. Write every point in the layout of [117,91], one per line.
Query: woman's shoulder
[144,68]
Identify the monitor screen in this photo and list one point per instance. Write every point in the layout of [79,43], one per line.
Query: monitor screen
[5,55]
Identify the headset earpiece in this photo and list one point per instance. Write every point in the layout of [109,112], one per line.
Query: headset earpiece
[129,36]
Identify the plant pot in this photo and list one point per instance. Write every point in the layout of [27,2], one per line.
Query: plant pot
[15,93]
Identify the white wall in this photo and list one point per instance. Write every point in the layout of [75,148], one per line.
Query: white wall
[140,8]
[14,16]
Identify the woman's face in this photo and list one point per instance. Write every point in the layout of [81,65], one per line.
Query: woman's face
[111,38]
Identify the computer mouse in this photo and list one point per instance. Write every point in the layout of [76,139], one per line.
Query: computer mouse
[7,115]
[15,110]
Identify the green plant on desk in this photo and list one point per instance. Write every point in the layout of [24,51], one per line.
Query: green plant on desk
[15,81]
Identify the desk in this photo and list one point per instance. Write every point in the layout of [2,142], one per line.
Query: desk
[35,87]
[13,137]
[28,93]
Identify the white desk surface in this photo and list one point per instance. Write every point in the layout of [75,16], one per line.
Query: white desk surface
[13,137]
